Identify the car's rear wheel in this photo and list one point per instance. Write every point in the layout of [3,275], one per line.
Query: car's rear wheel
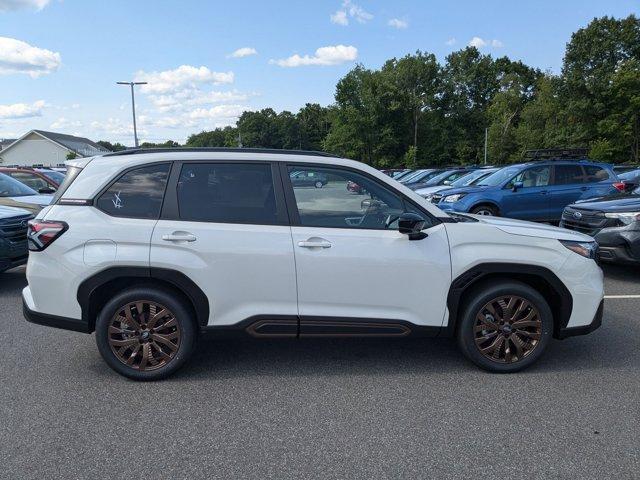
[505,327]
[488,210]
[145,333]
[319,184]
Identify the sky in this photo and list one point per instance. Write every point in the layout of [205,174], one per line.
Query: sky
[207,61]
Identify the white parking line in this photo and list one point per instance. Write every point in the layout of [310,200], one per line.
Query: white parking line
[622,296]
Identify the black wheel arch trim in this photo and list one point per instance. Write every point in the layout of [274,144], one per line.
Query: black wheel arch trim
[514,271]
[174,278]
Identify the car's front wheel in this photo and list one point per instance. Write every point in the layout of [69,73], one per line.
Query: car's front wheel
[145,333]
[505,327]
[487,210]
[319,184]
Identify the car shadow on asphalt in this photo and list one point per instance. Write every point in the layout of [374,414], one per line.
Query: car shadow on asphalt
[12,280]
[607,348]
[621,272]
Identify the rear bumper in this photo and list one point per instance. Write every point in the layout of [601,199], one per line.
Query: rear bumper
[54,321]
[583,329]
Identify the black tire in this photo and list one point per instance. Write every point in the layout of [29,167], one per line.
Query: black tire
[319,184]
[471,341]
[159,298]
[488,210]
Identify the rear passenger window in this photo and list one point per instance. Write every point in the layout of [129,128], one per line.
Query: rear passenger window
[595,174]
[136,194]
[227,193]
[568,174]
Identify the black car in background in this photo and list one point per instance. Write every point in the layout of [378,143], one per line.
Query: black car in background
[614,222]
[304,178]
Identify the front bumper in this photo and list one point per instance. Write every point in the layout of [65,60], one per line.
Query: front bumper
[54,321]
[619,244]
[583,329]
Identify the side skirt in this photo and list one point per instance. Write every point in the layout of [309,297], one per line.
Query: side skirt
[290,326]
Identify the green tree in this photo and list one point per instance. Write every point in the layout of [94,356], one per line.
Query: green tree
[593,57]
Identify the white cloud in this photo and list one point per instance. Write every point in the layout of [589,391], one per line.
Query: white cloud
[115,128]
[10,5]
[183,77]
[451,41]
[481,43]
[63,123]
[22,110]
[17,56]
[350,10]
[398,23]
[195,97]
[339,18]
[330,55]
[477,42]
[243,52]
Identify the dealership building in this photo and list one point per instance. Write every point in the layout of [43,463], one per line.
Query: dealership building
[38,147]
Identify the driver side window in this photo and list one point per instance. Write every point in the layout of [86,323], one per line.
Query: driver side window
[533,177]
[340,198]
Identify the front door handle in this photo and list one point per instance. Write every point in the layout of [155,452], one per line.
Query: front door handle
[179,237]
[315,243]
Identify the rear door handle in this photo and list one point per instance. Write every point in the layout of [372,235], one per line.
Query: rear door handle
[179,237]
[314,244]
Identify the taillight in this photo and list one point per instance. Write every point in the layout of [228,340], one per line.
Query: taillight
[42,233]
[619,186]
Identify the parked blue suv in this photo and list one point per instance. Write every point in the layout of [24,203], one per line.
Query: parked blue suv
[532,191]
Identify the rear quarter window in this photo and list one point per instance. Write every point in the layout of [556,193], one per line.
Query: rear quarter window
[137,193]
[595,174]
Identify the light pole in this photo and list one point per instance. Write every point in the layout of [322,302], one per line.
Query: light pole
[133,107]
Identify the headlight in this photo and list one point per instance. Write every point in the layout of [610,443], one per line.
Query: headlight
[428,196]
[624,217]
[453,198]
[584,249]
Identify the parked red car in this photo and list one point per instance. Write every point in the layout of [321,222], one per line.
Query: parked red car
[40,179]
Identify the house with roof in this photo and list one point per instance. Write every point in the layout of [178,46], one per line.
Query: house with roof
[39,147]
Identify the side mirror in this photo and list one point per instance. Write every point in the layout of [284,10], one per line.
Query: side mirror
[46,190]
[411,224]
[517,186]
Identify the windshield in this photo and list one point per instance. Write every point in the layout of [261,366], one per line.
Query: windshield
[446,178]
[53,175]
[499,177]
[424,176]
[471,178]
[412,175]
[10,187]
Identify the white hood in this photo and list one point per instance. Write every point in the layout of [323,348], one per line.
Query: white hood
[531,229]
[33,199]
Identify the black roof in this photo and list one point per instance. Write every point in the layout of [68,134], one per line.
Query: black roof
[137,151]
[80,145]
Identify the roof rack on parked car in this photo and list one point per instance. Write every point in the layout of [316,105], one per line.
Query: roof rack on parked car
[137,151]
[556,154]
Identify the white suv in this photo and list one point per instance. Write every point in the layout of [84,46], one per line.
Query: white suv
[152,248]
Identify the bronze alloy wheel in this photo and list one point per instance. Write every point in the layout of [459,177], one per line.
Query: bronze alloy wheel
[144,335]
[507,329]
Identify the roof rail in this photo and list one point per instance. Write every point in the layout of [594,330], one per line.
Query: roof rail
[136,151]
[579,153]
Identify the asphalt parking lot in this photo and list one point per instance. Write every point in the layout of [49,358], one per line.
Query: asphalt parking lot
[322,408]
